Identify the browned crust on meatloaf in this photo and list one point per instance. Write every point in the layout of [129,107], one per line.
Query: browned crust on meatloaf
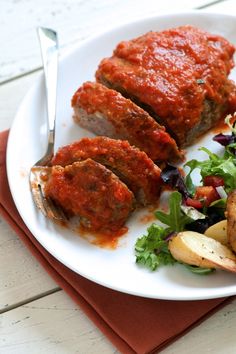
[179,76]
[107,112]
[130,164]
[91,191]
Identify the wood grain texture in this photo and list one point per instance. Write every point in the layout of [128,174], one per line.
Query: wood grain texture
[21,277]
[11,95]
[74,20]
[215,335]
[53,324]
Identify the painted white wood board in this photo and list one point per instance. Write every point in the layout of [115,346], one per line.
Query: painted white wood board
[53,324]
[224,7]
[21,277]
[74,20]
[214,335]
[11,95]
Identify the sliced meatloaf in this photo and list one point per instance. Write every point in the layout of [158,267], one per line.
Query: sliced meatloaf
[130,164]
[107,112]
[91,191]
[180,76]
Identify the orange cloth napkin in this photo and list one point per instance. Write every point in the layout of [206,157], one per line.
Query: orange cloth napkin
[133,324]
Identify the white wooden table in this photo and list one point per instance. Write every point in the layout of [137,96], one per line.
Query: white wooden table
[36,316]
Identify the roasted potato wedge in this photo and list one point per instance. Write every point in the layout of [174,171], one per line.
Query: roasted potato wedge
[231,219]
[202,251]
[218,231]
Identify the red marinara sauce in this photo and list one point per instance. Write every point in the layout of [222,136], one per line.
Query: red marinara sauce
[88,190]
[103,239]
[173,72]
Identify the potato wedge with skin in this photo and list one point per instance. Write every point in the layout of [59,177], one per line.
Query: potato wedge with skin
[231,219]
[197,249]
[218,231]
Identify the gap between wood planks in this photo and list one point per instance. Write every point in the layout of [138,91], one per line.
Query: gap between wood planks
[210,4]
[214,2]
[30,299]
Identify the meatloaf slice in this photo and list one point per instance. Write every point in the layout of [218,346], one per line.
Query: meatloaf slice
[107,112]
[91,191]
[130,164]
[178,75]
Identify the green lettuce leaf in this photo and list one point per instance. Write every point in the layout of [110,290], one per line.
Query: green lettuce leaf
[176,219]
[199,270]
[223,166]
[151,250]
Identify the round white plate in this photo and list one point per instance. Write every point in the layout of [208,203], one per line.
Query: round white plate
[115,269]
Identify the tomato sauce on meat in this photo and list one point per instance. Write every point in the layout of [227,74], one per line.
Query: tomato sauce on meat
[92,192]
[130,164]
[173,72]
[106,112]
[179,77]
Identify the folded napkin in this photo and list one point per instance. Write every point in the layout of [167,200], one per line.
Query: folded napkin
[133,324]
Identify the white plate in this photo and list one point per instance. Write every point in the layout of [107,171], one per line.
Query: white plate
[115,269]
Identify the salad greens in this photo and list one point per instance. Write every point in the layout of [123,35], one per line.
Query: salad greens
[176,219]
[171,176]
[151,250]
[224,167]
[198,270]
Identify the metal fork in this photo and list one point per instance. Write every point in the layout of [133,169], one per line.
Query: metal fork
[41,169]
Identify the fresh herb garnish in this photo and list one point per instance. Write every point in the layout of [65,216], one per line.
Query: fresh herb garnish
[200,81]
[151,250]
[176,219]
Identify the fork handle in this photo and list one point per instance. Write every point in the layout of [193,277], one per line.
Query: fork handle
[49,51]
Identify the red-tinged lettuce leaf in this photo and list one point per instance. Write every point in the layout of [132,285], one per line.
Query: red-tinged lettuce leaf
[171,176]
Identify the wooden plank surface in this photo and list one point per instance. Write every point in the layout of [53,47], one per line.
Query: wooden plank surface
[53,324]
[11,95]
[21,277]
[215,335]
